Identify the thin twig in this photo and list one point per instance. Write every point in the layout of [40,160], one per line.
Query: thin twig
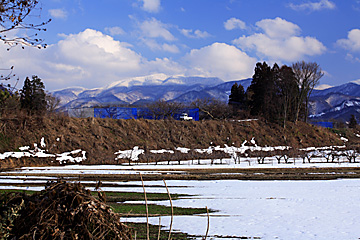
[172,210]
[147,210]
[159,227]
[208,223]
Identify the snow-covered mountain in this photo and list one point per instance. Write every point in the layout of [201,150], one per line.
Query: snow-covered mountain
[340,112]
[134,91]
[338,102]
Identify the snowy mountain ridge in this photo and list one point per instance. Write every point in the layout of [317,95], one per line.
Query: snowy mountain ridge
[325,104]
[132,90]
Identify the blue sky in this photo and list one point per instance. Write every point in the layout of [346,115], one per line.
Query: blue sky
[94,43]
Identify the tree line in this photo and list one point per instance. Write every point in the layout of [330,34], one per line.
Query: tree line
[278,94]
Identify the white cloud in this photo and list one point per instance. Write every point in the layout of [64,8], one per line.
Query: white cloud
[155,29]
[280,41]
[58,13]
[220,60]
[170,48]
[352,58]
[88,59]
[278,28]
[352,43]
[152,6]
[113,31]
[194,34]
[234,23]
[155,46]
[93,59]
[313,6]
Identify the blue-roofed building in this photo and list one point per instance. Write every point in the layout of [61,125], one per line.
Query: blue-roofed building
[324,124]
[144,113]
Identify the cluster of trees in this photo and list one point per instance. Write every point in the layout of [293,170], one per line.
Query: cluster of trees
[209,108]
[278,94]
[31,99]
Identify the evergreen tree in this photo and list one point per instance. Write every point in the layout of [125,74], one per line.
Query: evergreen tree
[273,93]
[259,89]
[287,85]
[33,96]
[352,122]
[237,97]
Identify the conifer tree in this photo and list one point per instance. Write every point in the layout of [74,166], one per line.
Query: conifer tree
[259,88]
[352,122]
[237,97]
[33,96]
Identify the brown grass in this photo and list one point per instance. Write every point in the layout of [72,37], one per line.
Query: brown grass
[101,138]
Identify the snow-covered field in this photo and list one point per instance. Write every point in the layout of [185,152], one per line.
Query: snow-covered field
[253,209]
[269,209]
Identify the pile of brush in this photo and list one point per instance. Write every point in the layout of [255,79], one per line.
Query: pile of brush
[62,211]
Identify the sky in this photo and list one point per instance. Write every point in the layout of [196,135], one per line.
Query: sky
[95,43]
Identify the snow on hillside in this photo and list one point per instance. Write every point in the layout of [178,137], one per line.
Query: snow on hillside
[153,79]
[344,105]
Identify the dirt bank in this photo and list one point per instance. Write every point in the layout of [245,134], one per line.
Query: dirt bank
[101,138]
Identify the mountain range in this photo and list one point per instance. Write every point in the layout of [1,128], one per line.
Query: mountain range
[337,103]
[332,103]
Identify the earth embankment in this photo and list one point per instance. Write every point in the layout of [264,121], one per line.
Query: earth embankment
[101,138]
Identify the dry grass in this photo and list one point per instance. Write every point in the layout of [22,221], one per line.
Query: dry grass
[101,138]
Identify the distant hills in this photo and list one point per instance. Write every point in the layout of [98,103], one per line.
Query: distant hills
[140,90]
[338,102]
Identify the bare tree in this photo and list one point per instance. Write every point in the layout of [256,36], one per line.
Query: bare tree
[307,76]
[211,108]
[164,110]
[52,102]
[13,16]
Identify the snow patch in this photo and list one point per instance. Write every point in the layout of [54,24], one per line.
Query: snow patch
[133,154]
[183,150]
[162,151]
[24,148]
[67,156]
[37,152]
[42,142]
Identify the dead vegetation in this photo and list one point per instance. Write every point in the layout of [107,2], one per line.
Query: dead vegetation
[62,211]
[101,138]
